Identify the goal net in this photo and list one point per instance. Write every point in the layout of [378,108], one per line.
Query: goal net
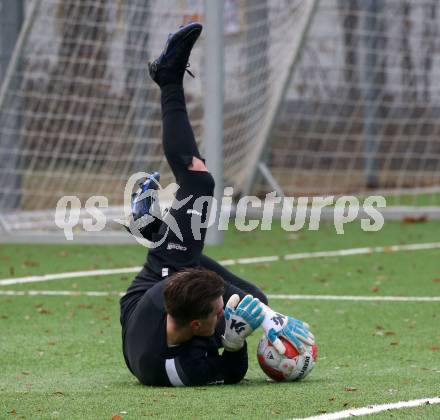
[361,110]
[330,97]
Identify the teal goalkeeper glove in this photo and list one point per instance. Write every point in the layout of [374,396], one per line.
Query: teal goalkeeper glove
[277,325]
[241,320]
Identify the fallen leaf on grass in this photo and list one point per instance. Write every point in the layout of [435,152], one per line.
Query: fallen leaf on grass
[44,311]
[375,289]
[262,266]
[58,393]
[84,306]
[13,412]
[350,389]
[116,417]
[436,280]
[30,263]
[390,333]
[415,219]
[169,394]
[434,348]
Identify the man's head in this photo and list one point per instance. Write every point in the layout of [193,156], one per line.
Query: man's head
[193,298]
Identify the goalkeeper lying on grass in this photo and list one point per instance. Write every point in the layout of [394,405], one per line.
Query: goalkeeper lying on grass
[173,316]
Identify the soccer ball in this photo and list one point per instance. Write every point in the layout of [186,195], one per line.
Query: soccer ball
[291,366]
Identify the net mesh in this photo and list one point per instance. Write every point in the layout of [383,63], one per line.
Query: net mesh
[78,114]
[361,110]
[355,111]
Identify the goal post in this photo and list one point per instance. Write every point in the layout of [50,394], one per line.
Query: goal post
[213,110]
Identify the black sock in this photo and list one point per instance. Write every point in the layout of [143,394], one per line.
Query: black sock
[167,77]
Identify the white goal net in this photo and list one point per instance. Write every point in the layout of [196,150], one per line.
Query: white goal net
[362,109]
[332,97]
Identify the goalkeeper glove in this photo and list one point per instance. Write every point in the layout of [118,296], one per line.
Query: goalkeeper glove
[277,325]
[241,320]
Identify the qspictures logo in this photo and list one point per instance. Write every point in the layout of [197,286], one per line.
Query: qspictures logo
[297,213]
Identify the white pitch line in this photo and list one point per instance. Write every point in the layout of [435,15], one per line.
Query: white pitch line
[361,251]
[69,275]
[256,260]
[57,293]
[371,409]
[359,298]
[275,297]
[238,261]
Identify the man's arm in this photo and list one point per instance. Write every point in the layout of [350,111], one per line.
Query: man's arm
[235,365]
[199,367]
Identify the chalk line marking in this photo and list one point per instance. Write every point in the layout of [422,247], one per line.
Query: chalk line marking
[57,293]
[238,261]
[371,409]
[359,298]
[69,275]
[275,297]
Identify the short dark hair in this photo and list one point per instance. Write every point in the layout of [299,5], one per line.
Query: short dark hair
[189,294]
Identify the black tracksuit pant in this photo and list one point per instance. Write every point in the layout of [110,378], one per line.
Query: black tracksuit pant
[175,253]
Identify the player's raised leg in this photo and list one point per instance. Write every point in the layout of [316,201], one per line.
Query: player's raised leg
[180,249]
[167,71]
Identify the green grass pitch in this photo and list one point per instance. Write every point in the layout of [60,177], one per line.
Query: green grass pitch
[61,356]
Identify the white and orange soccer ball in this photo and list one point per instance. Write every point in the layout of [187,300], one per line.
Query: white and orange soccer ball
[291,366]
